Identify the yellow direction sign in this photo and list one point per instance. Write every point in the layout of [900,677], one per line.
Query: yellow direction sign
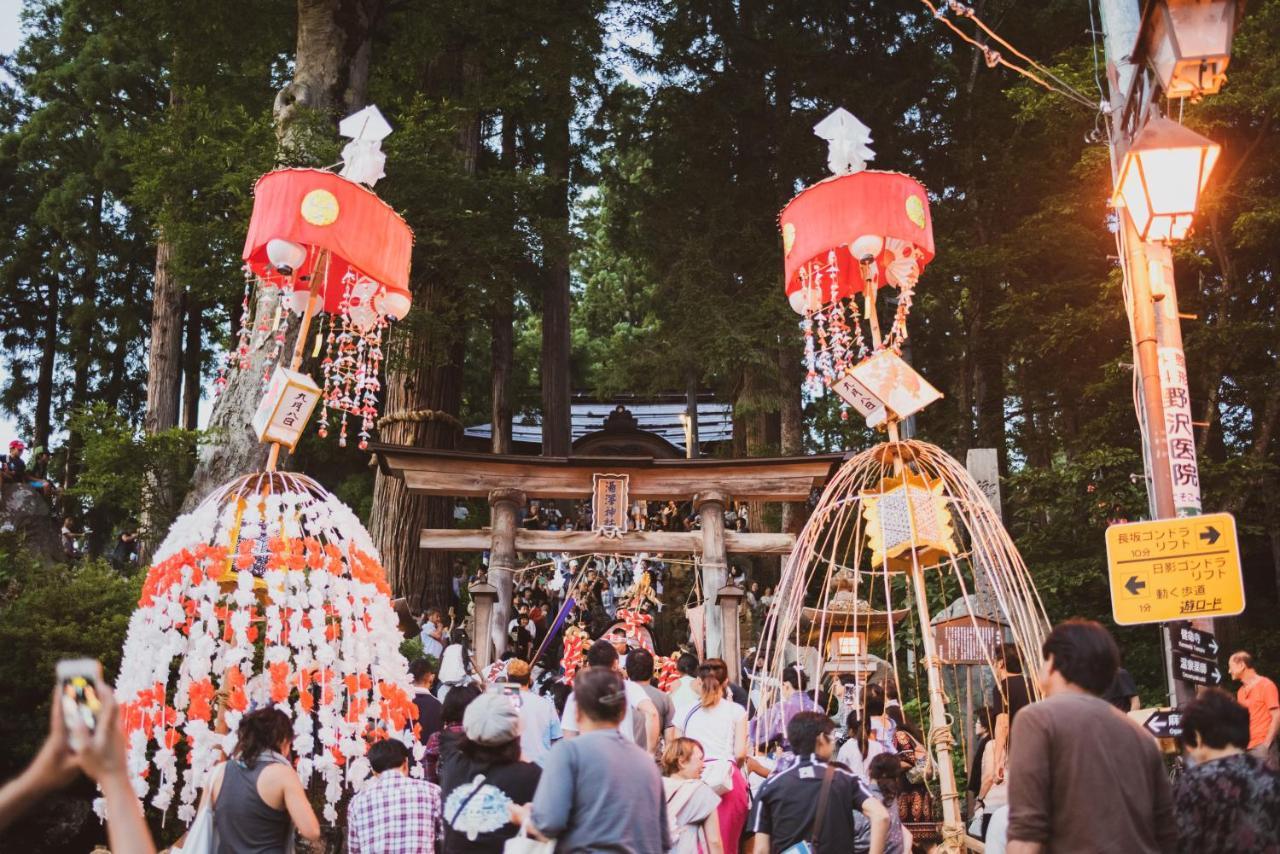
[1175,569]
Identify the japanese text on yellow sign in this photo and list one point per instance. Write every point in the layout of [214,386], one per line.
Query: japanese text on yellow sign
[1175,569]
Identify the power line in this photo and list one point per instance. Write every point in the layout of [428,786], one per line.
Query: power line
[994,58]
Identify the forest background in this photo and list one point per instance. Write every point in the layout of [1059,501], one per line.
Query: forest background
[594,188]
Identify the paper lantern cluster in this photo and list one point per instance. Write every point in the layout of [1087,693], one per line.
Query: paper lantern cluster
[321,243]
[270,593]
[838,234]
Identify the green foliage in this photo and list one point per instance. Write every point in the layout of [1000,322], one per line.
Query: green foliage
[127,471]
[50,613]
[411,648]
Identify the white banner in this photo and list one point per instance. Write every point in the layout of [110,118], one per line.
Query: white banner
[1181,436]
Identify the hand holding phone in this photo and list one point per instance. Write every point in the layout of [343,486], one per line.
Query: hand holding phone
[78,681]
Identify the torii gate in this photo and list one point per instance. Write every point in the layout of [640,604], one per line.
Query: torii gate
[508,481]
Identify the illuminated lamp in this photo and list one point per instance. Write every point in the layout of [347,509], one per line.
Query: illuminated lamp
[1162,177]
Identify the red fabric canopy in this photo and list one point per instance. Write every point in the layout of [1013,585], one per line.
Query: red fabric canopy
[321,210]
[832,214]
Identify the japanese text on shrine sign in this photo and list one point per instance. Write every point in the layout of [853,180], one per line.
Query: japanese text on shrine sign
[1175,569]
[610,502]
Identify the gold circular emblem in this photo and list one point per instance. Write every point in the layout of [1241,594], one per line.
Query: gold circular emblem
[915,210]
[788,237]
[320,207]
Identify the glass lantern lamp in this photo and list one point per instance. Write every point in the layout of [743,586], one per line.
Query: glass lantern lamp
[1188,43]
[1162,177]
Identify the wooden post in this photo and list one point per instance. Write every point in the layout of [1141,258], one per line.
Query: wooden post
[483,597]
[968,735]
[304,327]
[715,568]
[505,505]
[939,737]
[729,600]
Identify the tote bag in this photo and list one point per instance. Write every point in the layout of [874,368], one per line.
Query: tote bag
[523,843]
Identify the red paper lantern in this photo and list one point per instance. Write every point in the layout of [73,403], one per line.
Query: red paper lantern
[323,211]
[828,227]
[316,233]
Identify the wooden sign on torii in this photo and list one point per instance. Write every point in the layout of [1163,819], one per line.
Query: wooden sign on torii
[508,481]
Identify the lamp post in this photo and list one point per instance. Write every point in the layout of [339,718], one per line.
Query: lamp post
[1159,169]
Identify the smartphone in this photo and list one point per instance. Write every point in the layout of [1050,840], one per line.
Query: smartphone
[79,678]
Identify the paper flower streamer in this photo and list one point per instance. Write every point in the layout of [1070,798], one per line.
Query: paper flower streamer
[270,593]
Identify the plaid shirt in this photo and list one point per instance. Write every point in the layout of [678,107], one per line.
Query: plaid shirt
[394,814]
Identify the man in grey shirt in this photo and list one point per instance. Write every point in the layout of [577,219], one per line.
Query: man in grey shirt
[640,671]
[599,792]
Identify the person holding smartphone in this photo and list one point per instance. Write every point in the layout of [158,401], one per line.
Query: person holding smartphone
[99,752]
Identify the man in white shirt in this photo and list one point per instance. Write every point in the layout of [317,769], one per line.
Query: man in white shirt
[618,637]
[640,724]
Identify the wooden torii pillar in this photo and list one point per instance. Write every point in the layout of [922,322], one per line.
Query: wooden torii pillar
[715,567]
[710,482]
[504,507]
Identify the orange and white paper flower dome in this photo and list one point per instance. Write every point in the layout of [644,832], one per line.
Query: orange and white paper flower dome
[270,593]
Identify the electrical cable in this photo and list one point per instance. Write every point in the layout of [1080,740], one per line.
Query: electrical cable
[993,58]
[968,12]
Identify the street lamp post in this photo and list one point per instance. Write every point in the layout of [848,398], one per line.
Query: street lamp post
[1159,169]
[1161,178]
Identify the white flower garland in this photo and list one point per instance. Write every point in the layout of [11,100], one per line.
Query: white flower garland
[268,593]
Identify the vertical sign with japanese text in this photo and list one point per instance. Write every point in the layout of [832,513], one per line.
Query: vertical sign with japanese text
[285,408]
[609,503]
[1183,470]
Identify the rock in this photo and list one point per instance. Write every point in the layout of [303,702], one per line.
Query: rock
[25,512]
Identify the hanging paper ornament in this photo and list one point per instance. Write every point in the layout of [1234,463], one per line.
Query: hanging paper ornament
[856,227]
[323,243]
[268,593]
[907,514]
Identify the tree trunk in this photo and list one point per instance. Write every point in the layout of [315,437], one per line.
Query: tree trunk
[790,378]
[502,328]
[693,450]
[430,379]
[328,80]
[502,351]
[425,376]
[192,364]
[556,382]
[989,394]
[331,67]
[751,410]
[48,358]
[84,322]
[164,358]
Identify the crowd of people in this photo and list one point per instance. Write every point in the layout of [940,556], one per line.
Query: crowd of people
[14,468]
[514,759]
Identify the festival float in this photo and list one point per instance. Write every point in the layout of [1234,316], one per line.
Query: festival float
[899,525]
[270,592]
